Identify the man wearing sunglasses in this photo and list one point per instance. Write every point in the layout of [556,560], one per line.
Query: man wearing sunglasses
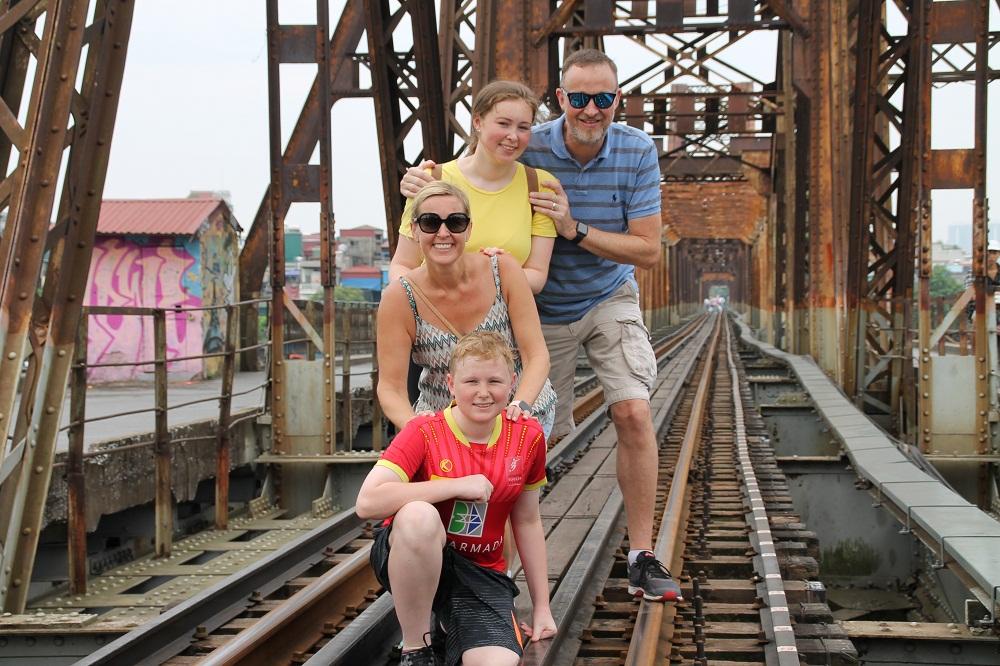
[606,209]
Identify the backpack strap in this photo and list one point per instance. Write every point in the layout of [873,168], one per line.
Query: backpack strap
[531,173]
[436,172]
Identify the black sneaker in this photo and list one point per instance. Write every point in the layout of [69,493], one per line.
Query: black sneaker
[423,657]
[649,579]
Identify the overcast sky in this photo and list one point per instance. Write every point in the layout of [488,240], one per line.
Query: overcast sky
[193,113]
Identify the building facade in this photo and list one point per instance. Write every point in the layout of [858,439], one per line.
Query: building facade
[161,253]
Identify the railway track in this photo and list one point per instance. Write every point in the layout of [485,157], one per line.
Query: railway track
[318,593]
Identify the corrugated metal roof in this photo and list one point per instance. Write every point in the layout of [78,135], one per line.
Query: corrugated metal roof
[167,217]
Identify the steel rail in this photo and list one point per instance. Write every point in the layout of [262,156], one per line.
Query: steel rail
[274,635]
[654,616]
[776,620]
[171,632]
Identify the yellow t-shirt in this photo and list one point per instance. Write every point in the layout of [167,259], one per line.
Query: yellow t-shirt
[501,219]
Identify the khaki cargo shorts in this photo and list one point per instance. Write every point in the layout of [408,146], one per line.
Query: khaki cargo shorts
[618,348]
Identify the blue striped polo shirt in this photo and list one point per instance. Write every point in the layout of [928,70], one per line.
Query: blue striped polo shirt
[622,183]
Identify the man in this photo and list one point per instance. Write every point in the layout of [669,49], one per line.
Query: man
[606,209]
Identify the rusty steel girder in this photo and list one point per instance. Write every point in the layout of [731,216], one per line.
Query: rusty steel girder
[27,472]
[885,188]
[343,82]
[295,180]
[407,91]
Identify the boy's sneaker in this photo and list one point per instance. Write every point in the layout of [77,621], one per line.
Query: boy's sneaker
[423,657]
[649,579]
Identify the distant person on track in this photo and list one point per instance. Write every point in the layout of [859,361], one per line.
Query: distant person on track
[424,313]
[606,209]
[497,185]
[447,484]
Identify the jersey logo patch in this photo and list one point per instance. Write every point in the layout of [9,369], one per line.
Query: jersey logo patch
[467,518]
[445,465]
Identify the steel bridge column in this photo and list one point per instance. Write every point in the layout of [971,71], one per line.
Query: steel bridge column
[301,145]
[23,495]
[397,78]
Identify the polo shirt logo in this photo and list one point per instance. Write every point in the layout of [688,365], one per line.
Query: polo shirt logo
[467,519]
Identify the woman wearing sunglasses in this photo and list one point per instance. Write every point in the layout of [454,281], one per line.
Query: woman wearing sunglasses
[425,312]
[496,184]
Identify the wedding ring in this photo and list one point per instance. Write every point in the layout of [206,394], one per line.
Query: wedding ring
[555,206]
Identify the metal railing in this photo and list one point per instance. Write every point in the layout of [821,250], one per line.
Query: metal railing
[162,444]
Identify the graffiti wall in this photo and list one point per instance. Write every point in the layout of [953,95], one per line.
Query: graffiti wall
[218,283]
[152,272]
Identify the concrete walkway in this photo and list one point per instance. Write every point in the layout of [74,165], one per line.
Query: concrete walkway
[104,401]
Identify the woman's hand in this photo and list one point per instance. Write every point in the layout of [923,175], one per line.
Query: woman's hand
[493,251]
[515,410]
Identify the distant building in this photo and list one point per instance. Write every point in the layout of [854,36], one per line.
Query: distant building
[161,253]
[961,234]
[363,246]
[362,277]
[945,254]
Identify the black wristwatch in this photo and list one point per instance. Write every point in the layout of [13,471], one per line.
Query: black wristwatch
[581,233]
[525,407]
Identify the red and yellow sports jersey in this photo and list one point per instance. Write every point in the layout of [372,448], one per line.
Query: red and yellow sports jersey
[434,447]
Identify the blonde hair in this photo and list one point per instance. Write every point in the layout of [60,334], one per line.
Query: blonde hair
[483,345]
[439,188]
[492,94]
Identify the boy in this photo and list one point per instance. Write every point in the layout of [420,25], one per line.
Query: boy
[450,481]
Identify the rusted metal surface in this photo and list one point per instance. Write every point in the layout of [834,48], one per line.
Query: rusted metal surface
[76,519]
[23,494]
[883,226]
[223,455]
[397,78]
[164,500]
[301,144]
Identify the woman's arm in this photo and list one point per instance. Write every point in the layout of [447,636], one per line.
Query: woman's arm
[406,258]
[527,330]
[526,523]
[536,266]
[395,333]
[383,493]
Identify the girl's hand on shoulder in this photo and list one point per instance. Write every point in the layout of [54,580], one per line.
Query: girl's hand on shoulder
[493,251]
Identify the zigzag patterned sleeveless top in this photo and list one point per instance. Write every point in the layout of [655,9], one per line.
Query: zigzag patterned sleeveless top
[432,349]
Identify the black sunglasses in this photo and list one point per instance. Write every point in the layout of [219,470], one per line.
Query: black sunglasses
[429,223]
[579,100]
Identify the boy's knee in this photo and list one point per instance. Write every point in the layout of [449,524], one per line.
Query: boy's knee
[419,523]
[490,656]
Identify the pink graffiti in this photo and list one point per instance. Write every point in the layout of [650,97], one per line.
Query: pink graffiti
[125,273]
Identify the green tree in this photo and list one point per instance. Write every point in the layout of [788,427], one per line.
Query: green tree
[342,293]
[944,284]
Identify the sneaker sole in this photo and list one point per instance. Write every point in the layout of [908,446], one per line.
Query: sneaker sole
[639,592]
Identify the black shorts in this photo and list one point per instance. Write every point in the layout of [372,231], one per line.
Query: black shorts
[475,605]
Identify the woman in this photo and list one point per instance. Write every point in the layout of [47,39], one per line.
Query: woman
[451,294]
[497,186]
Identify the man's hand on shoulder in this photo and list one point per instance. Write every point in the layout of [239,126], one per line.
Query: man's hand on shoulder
[415,178]
[555,204]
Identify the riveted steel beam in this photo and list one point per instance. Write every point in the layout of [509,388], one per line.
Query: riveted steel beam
[408,92]
[23,493]
[884,191]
